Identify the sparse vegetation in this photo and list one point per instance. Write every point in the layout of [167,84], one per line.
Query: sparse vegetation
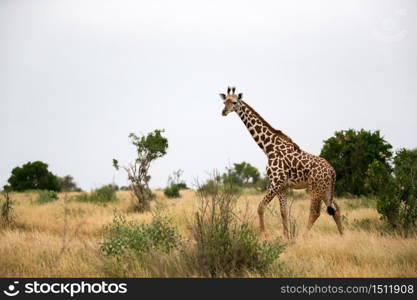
[33,249]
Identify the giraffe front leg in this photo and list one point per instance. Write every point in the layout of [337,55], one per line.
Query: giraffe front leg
[261,209]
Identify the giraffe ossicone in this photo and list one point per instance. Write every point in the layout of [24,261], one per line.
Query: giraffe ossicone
[288,165]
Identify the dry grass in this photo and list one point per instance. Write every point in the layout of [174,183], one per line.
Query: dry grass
[61,239]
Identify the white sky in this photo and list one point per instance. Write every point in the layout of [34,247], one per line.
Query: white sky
[76,77]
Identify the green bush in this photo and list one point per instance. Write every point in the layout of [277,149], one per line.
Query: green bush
[123,235]
[172,191]
[175,184]
[223,244]
[45,196]
[103,195]
[397,191]
[351,152]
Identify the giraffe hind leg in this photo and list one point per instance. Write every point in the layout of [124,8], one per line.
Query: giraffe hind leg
[315,207]
[337,218]
[333,209]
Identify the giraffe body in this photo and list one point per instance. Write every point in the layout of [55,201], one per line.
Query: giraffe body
[288,166]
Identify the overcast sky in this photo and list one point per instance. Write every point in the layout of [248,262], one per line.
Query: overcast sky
[76,77]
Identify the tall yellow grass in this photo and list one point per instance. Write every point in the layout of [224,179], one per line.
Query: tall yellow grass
[61,239]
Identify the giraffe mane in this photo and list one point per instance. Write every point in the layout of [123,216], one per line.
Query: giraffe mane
[275,131]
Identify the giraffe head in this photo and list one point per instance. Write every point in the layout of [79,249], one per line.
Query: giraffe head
[231,101]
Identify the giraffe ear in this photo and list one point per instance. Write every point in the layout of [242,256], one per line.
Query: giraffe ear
[223,96]
[239,96]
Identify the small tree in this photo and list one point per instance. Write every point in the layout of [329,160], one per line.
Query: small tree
[33,176]
[148,149]
[351,152]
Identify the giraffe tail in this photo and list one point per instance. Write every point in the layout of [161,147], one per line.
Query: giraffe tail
[331,208]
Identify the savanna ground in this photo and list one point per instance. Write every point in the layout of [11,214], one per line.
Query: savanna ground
[62,239]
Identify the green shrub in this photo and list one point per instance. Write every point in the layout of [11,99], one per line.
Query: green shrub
[172,191]
[225,245]
[175,184]
[45,196]
[123,235]
[103,195]
[397,192]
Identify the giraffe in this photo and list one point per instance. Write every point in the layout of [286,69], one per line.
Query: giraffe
[288,166]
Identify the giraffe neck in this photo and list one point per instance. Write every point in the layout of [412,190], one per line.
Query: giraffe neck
[268,139]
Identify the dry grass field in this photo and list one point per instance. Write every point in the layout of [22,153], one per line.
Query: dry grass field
[61,239]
